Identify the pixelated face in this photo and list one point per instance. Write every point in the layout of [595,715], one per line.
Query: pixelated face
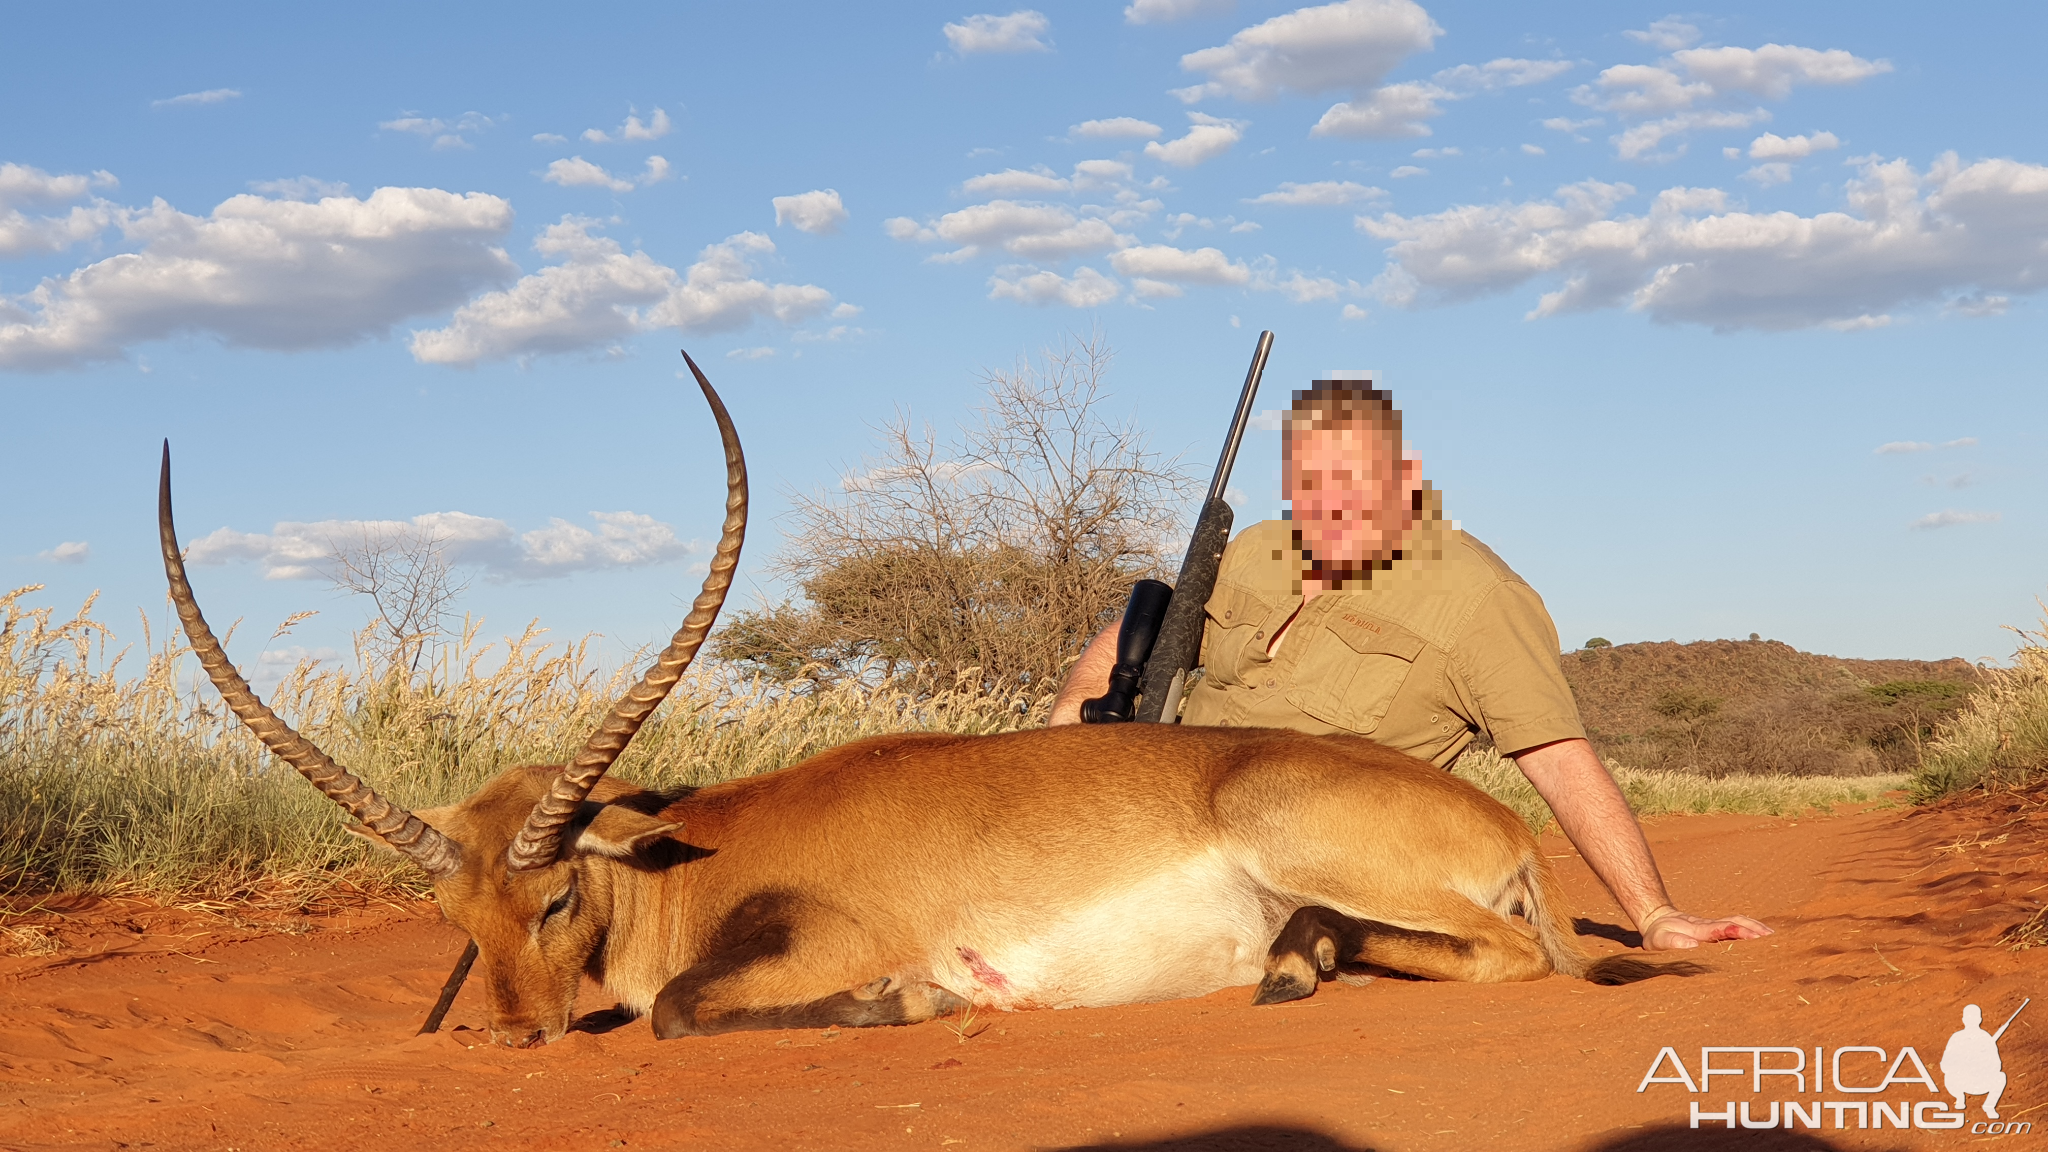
[1351,492]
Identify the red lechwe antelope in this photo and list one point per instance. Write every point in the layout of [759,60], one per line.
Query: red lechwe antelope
[903,877]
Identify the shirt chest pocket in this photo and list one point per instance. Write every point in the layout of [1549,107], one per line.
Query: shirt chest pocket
[1236,634]
[1352,669]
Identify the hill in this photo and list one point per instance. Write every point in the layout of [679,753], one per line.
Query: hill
[1722,706]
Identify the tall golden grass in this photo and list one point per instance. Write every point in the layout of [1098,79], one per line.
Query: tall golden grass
[2000,737]
[127,774]
[120,771]
[1662,792]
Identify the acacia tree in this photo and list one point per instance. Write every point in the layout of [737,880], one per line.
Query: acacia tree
[404,570]
[1000,549]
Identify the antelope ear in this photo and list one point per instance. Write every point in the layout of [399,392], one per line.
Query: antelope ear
[435,818]
[622,832]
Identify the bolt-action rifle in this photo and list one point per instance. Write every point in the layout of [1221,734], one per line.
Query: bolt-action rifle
[1161,635]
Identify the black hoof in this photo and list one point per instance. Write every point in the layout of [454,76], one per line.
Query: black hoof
[1279,988]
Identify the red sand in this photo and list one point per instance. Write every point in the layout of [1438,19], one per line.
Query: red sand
[157,1028]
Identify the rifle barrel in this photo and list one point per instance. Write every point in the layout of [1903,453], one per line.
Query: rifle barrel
[2009,1019]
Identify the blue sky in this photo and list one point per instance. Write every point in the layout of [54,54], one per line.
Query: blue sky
[1711,323]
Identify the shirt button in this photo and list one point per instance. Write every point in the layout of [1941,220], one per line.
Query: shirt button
[1259,635]
[1272,683]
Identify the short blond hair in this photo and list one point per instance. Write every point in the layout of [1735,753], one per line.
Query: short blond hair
[1326,405]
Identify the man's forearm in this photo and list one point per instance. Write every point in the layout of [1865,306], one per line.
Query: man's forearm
[1087,679]
[1596,817]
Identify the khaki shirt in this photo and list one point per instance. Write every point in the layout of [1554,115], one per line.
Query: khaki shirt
[1444,643]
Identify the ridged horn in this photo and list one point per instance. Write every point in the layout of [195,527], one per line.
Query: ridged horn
[439,856]
[539,843]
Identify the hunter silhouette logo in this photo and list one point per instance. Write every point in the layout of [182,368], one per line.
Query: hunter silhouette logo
[1970,1064]
[1860,1076]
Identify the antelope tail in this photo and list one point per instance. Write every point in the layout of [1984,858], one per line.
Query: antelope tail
[1543,905]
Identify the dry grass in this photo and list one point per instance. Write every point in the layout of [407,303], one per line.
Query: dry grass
[117,782]
[120,782]
[1657,793]
[2000,737]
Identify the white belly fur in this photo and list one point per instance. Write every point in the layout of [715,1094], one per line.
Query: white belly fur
[1186,930]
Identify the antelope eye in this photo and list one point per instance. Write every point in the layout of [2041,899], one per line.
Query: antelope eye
[561,904]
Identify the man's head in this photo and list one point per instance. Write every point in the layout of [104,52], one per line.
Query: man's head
[1972,1016]
[1354,492]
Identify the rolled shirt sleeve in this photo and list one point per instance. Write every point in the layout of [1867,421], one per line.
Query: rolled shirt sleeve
[1505,670]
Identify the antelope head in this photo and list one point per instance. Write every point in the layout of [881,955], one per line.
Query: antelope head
[510,863]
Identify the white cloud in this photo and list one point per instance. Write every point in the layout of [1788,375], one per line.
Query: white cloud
[655,128]
[1771,146]
[261,273]
[1769,174]
[1302,289]
[1905,447]
[576,172]
[1407,170]
[1641,90]
[1390,113]
[446,134]
[818,212]
[23,235]
[1348,45]
[1534,150]
[1772,70]
[1320,194]
[549,138]
[299,188]
[1086,289]
[210,96]
[1354,312]
[69,552]
[1116,128]
[762,353]
[1034,231]
[1162,262]
[1666,35]
[1639,141]
[1979,304]
[1014,181]
[1206,139]
[1020,31]
[1949,518]
[294,550]
[1694,76]
[1166,11]
[1495,75]
[1571,127]
[597,294]
[1908,237]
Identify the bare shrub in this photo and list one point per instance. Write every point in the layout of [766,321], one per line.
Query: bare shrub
[996,553]
[404,571]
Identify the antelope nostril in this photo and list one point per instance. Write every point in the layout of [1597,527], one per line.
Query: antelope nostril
[537,1039]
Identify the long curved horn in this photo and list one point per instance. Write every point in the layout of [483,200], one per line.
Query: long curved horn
[439,856]
[540,841]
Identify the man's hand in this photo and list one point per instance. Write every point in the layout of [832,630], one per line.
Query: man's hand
[1667,927]
[1596,818]
[1087,679]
